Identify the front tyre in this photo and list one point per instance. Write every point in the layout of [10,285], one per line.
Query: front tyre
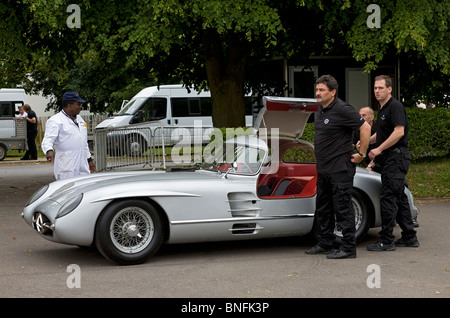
[129,232]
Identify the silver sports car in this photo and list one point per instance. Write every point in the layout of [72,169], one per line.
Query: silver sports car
[251,187]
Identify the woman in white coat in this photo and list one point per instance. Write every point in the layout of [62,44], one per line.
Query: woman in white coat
[66,134]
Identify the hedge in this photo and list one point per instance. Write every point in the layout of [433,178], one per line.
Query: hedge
[429,132]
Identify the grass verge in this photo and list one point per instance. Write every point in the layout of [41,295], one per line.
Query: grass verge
[430,178]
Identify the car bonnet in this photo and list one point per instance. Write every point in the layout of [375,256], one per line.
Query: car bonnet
[119,182]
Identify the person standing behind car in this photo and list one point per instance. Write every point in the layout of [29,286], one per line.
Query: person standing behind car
[367,114]
[336,167]
[392,157]
[31,118]
[66,133]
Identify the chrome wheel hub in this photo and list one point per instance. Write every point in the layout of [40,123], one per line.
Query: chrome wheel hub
[131,230]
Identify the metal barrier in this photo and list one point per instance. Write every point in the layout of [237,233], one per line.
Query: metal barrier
[131,147]
[143,145]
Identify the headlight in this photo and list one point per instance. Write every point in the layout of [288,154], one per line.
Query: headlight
[69,206]
[37,195]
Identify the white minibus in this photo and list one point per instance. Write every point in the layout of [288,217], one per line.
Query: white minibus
[167,106]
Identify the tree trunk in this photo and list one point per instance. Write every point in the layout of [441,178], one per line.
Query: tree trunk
[225,64]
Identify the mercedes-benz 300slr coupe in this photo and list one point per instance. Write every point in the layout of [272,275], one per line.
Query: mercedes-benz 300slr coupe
[257,186]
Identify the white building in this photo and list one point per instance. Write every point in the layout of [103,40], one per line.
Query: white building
[39,103]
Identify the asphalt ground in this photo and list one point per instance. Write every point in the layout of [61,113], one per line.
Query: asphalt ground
[32,267]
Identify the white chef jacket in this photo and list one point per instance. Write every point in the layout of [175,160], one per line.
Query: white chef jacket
[70,144]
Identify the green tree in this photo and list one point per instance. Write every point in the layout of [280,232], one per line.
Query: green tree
[406,25]
[212,41]
[15,49]
[123,46]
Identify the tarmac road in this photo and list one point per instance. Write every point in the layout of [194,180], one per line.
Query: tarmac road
[33,267]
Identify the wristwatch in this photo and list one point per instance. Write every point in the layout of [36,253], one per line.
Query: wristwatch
[362,154]
[369,166]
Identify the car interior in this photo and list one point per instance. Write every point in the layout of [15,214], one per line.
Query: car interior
[291,180]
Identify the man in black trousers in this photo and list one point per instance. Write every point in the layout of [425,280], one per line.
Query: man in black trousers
[31,119]
[392,157]
[336,166]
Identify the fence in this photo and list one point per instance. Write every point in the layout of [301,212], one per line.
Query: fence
[131,147]
[91,120]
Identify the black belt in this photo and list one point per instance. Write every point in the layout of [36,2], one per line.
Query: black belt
[397,150]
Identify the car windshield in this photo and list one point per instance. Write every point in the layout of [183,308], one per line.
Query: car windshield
[236,159]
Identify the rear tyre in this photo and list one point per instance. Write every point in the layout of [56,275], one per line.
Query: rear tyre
[362,219]
[3,152]
[129,232]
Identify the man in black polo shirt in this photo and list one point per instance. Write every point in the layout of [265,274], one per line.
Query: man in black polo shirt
[31,118]
[334,125]
[391,155]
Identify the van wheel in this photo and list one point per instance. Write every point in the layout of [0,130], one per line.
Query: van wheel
[136,145]
[3,151]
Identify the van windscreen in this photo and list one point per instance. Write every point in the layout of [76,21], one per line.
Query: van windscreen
[132,106]
[153,108]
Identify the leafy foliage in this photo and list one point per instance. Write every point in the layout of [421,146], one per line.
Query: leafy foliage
[123,46]
[417,25]
[428,132]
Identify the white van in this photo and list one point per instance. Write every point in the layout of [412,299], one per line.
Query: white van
[12,132]
[10,100]
[173,106]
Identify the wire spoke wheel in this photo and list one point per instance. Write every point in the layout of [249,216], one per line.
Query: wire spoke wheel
[359,215]
[131,230]
[362,219]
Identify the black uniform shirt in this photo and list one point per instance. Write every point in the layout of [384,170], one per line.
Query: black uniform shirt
[30,126]
[390,115]
[334,127]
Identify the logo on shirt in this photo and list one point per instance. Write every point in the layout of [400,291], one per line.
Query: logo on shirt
[326,121]
[382,117]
